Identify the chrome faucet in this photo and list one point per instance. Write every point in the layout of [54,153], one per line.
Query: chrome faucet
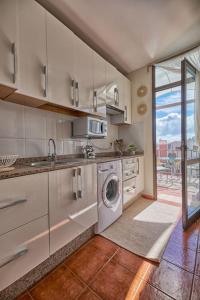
[53,155]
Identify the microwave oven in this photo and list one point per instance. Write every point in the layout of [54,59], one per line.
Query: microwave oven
[89,127]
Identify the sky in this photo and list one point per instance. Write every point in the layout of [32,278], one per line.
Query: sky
[168,120]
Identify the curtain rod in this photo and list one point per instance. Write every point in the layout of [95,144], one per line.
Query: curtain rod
[173,56]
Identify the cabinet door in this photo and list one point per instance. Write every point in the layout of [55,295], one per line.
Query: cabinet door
[111,85]
[32,49]
[120,90]
[72,209]
[86,206]
[83,76]
[60,53]
[140,175]
[99,85]
[8,42]
[127,101]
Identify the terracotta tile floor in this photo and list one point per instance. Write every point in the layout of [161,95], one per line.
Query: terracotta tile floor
[102,270]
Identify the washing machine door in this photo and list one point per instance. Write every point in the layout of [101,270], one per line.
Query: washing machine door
[111,191]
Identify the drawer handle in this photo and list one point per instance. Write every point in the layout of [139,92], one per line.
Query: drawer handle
[74,184]
[9,259]
[11,202]
[130,189]
[79,183]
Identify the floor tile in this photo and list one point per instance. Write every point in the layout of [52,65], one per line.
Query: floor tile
[172,280]
[88,295]
[87,262]
[182,257]
[105,245]
[134,263]
[141,290]
[60,284]
[113,281]
[193,229]
[196,289]
[197,268]
[24,296]
[186,240]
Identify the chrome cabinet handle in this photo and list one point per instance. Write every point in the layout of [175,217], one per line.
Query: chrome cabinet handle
[14,52]
[7,260]
[130,189]
[11,202]
[95,101]
[138,166]
[45,80]
[73,92]
[125,110]
[115,95]
[74,184]
[77,93]
[79,183]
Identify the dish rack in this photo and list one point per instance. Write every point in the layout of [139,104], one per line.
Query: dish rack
[6,162]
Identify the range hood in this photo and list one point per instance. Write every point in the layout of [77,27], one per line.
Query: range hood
[116,115]
[111,110]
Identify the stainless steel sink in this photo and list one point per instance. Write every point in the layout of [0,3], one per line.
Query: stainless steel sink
[46,163]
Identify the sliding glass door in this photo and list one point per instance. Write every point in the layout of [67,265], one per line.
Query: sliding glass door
[190,163]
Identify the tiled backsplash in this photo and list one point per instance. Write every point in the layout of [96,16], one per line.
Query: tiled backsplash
[25,131]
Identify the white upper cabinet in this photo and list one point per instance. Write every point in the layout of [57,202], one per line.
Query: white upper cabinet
[120,90]
[127,101]
[111,86]
[83,76]
[32,49]
[8,43]
[99,85]
[60,53]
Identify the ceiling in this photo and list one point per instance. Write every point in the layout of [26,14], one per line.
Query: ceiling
[131,33]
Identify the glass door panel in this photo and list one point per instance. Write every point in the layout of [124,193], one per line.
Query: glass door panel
[190,152]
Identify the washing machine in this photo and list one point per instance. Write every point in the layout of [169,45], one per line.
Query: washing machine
[109,187]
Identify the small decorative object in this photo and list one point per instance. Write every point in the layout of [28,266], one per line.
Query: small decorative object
[120,146]
[142,109]
[88,152]
[132,149]
[6,161]
[142,91]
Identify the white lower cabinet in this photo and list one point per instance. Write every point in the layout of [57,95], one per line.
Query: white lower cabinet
[22,200]
[72,203]
[23,249]
[140,175]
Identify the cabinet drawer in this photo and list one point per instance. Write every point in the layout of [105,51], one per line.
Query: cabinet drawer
[129,190]
[22,249]
[127,174]
[22,200]
[129,161]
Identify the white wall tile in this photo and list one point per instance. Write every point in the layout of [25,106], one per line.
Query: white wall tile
[12,146]
[35,147]
[35,123]
[11,120]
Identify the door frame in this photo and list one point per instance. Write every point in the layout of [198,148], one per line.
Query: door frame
[186,219]
[154,91]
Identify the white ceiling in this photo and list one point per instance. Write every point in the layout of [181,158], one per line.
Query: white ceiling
[132,33]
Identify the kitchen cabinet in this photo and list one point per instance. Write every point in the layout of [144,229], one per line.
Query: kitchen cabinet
[140,175]
[23,249]
[99,85]
[127,101]
[32,58]
[60,54]
[72,203]
[8,47]
[83,64]
[112,96]
[23,202]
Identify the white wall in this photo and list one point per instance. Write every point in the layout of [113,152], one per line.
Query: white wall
[25,131]
[140,132]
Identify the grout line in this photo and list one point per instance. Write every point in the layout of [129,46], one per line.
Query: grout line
[28,292]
